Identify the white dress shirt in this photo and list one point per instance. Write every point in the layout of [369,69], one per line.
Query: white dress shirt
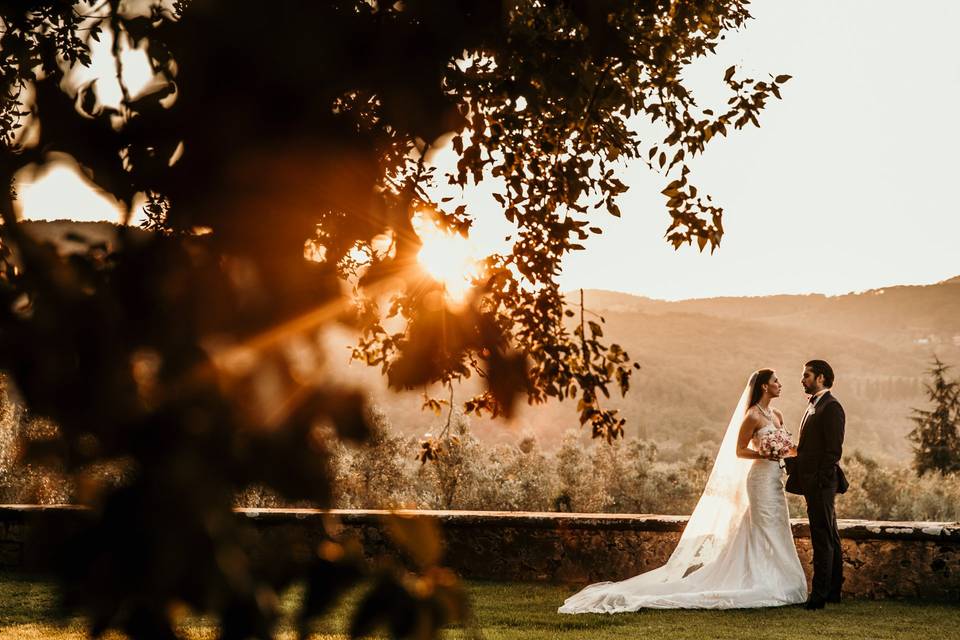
[812,406]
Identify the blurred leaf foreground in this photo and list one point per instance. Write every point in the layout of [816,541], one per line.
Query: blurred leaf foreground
[280,154]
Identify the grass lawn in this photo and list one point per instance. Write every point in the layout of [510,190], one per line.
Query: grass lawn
[528,611]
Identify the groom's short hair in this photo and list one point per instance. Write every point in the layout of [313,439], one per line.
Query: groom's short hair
[821,368]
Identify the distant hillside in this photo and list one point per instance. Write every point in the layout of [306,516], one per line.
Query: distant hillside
[897,317]
[693,369]
[696,354]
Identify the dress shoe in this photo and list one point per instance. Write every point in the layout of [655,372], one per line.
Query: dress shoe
[814,602]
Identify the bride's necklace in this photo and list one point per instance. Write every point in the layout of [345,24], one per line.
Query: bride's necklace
[766,412]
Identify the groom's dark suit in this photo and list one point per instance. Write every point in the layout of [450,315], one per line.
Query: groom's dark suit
[816,475]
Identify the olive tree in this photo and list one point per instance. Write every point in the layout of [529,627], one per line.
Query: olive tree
[281,153]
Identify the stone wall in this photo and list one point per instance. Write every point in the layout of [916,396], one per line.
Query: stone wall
[883,559]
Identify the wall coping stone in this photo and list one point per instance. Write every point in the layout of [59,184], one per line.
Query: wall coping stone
[852,529]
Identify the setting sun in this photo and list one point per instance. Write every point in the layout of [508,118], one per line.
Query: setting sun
[450,259]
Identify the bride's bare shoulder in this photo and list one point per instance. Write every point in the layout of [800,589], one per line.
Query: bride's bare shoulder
[753,417]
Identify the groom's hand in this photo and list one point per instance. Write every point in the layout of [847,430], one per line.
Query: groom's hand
[790,462]
[791,453]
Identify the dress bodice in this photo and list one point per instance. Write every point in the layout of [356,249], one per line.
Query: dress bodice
[769,426]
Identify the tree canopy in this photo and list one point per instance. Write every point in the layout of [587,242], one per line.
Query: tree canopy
[936,437]
[282,151]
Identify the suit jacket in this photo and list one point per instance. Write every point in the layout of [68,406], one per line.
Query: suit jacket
[816,465]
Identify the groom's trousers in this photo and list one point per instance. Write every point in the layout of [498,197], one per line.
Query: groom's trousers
[825,538]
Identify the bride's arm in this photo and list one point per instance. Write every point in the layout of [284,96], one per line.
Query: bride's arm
[751,423]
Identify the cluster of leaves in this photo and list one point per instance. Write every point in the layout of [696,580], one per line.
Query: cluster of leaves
[25,47]
[35,483]
[936,436]
[193,360]
[626,476]
[405,603]
[630,476]
[881,491]
[549,94]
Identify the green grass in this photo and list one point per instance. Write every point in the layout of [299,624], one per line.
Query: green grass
[528,611]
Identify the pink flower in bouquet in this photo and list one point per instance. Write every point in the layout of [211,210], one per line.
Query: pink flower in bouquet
[775,445]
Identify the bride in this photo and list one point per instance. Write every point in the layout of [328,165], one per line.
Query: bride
[737,549]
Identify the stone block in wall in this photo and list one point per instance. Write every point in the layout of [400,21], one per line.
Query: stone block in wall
[881,559]
[11,555]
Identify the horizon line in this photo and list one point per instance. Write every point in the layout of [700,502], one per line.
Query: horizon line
[949,280]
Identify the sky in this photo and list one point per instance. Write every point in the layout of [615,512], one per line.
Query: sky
[844,187]
[847,184]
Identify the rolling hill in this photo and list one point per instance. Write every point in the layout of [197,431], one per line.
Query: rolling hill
[696,354]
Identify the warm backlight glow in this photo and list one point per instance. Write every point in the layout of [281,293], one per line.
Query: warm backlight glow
[61,192]
[137,74]
[450,259]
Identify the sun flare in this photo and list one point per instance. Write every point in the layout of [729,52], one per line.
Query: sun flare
[450,259]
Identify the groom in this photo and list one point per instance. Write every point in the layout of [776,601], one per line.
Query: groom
[816,475]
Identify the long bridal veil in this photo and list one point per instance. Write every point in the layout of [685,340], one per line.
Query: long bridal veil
[721,507]
[711,528]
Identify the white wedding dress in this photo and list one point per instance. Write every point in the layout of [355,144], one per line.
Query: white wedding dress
[736,552]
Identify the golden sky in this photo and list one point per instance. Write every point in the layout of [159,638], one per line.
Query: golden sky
[845,187]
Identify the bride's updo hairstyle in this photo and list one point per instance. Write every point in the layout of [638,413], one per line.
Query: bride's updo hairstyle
[760,378]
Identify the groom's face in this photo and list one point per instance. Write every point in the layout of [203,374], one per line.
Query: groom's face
[811,382]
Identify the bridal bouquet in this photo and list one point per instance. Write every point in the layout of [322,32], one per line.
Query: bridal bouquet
[775,444]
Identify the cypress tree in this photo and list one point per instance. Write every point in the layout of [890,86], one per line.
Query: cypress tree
[935,438]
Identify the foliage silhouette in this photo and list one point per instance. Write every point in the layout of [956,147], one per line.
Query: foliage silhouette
[191,358]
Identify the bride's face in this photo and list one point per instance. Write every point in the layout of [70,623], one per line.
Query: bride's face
[773,387]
